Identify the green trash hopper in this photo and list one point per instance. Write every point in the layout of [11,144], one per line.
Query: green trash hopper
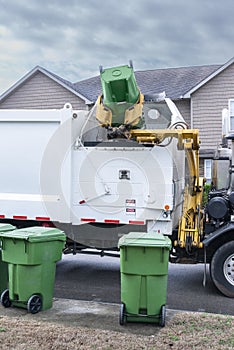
[121,96]
[119,85]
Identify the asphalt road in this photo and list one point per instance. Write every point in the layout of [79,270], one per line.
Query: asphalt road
[89,277]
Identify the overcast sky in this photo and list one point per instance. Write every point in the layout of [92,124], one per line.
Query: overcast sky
[73,37]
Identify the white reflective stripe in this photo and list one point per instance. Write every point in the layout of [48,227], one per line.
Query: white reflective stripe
[28,197]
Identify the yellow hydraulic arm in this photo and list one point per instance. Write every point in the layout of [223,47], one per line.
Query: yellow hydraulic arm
[190,229]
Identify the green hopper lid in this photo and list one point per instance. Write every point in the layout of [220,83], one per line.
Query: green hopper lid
[36,234]
[142,239]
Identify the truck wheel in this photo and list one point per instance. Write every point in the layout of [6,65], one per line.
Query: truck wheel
[222,269]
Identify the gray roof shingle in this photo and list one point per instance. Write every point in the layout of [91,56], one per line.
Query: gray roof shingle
[90,88]
[174,81]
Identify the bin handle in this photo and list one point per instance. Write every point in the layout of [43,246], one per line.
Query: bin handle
[25,247]
[125,254]
[162,255]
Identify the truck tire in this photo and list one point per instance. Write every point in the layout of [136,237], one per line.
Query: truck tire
[222,269]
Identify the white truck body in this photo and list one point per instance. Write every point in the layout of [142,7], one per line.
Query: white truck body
[58,167]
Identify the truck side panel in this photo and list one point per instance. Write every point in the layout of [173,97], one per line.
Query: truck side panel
[34,145]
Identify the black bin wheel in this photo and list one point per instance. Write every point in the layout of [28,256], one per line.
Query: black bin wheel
[162,320]
[34,304]
[122,315]
[5,299]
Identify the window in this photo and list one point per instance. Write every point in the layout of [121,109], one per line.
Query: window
[207,170]
[231,114]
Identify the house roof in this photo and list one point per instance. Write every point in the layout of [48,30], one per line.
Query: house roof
[209,77]
[91,88]
[65,83]
[176,82]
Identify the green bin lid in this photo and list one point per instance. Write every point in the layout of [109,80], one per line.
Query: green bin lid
[6,227]
[142,239]
[36,234]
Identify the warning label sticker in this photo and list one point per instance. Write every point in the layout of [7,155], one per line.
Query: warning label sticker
[130,211]
[130,202]
[130,206]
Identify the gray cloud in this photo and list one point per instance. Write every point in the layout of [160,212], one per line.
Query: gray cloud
[73,37]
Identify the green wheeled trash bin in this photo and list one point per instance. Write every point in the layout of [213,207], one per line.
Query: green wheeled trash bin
[4,265]
[144,270]
[31,254]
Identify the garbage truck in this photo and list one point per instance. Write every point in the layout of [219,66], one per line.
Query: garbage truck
[130,164]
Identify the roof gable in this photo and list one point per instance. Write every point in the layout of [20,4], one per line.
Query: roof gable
[65,83]
[209,77]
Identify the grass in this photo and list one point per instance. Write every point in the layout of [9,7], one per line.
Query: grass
[185,331]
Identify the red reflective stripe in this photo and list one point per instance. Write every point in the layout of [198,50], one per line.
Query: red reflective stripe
[2,216]
[88,220]
[132,222]
[111,221]
[42,218]
[20,217]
